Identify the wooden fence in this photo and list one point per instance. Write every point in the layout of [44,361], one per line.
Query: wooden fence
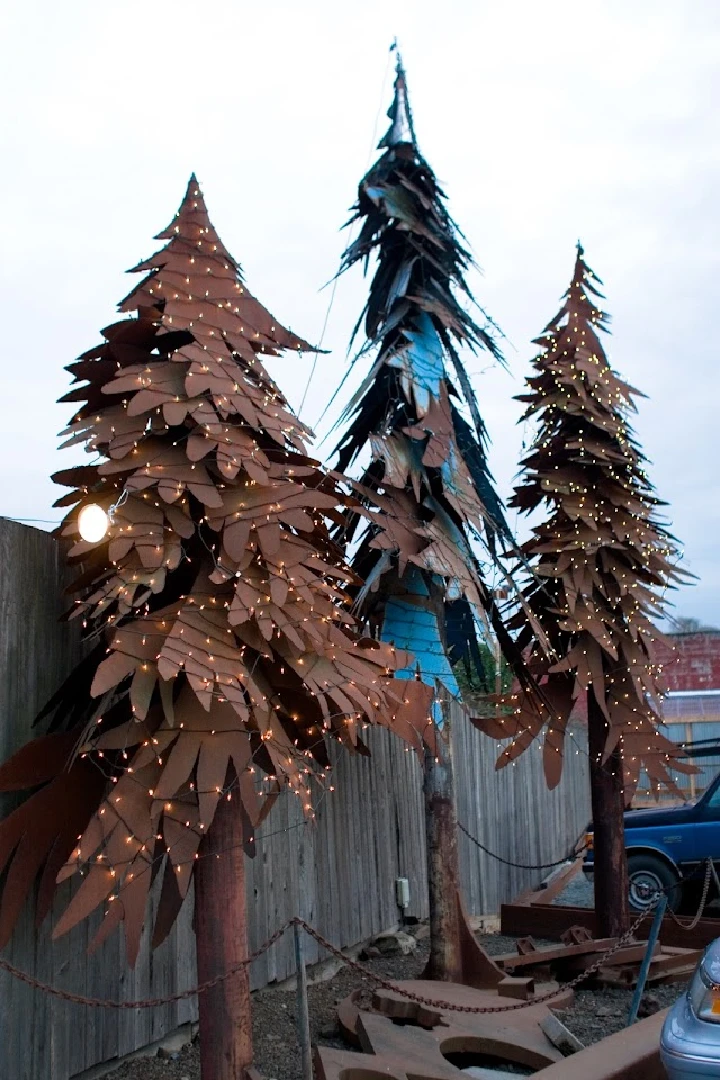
[338,873]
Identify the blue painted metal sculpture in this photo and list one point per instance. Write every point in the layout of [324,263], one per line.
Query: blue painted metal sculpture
[431,497]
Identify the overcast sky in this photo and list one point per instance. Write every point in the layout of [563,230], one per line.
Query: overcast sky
[545,123]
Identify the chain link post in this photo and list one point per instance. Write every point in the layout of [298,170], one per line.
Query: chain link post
[303,1018]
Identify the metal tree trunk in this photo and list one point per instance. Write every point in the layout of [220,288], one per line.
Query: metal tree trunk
[445,960]
[455,955]
[226,1049]
[612,916]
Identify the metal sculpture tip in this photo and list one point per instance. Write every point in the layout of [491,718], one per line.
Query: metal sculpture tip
[401,128]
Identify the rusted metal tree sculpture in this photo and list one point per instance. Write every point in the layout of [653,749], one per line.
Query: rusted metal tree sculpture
[428,488]
[223,650]
[601,559]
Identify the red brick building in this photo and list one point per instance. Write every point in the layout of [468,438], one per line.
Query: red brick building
[691,665]
[691,710]
[693,662]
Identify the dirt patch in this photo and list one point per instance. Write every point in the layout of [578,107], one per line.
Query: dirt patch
[596,1013]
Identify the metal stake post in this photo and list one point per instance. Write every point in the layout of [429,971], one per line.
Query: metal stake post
[645,966]
[303,1019]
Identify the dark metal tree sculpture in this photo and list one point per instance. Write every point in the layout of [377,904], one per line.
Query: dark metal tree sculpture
[223,651]
[427,486]
[600,559]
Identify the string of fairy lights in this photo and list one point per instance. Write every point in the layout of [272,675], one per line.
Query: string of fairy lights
[116,868]
[146,497]
[94,520]
[562,362]
[177,802]
[226,791]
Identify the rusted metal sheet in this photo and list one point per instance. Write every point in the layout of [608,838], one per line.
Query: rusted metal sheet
[420,1048]
[553,920]
[223,635]
[602,560]
[428,487]
[631,1054]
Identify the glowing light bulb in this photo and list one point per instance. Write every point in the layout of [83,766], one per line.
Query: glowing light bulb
[93,523]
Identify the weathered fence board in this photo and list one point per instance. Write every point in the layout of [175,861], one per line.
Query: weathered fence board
[338,872]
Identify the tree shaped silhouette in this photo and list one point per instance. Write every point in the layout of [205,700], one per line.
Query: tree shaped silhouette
[222,647]
[428,484]
[429,494]
[602,562]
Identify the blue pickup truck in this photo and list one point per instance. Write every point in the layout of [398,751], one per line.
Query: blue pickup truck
[665,845]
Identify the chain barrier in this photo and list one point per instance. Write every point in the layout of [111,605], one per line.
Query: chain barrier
[448,1006]
[379,980]
[549,995]
[144,1003]
[709,874]
[576,851]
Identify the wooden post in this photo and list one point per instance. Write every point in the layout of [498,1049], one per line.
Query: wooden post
[226,1049]
[612,914]
[442,858]
[303,1019]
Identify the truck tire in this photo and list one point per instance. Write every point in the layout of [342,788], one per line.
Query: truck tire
[648,876]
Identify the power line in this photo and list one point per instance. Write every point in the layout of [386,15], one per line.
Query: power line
[22,520]
[335,279]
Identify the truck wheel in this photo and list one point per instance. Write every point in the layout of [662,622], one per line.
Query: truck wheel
[649,876]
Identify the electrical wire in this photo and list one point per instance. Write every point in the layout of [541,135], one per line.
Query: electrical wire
[335,278]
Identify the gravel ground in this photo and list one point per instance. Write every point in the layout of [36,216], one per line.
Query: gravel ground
[577,893]
[580,893]
[602,1012]
[274,1032]
[596,1013]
